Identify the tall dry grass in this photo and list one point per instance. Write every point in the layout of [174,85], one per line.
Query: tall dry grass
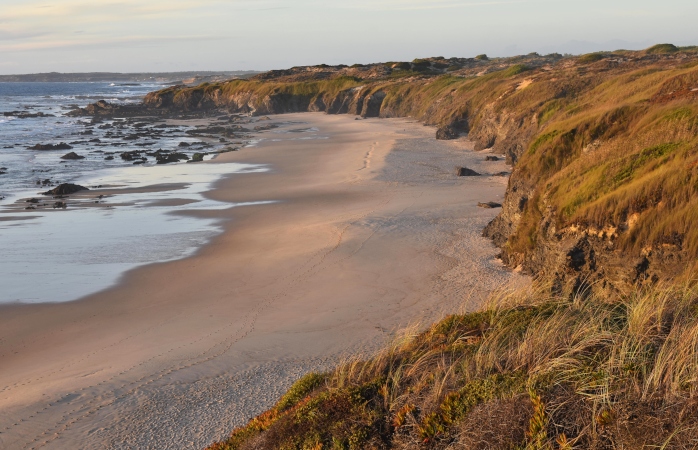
[546,372]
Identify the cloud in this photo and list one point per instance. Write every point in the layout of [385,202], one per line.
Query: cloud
[407,5]
[7,35]
[37,25]
[130,41]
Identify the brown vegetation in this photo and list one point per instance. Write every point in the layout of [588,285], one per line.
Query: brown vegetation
[530,371]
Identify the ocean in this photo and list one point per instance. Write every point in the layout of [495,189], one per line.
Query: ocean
[58,255]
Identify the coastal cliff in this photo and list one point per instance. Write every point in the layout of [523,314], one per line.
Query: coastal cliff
[603,146]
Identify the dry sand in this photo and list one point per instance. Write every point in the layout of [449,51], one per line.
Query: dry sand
[371,231]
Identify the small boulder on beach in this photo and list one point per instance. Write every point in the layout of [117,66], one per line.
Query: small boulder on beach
[447,133]
[72,155]
[66,189]
[491,158]
[465,172]
[489,205]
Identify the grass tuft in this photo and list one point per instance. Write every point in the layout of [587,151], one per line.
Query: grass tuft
[660,49]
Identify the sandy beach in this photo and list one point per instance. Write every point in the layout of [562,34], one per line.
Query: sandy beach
[370,230]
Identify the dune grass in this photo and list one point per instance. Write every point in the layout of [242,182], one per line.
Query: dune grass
[529,371]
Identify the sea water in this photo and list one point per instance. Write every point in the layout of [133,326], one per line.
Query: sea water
[63,255]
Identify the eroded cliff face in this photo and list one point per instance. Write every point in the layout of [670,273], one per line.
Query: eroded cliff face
[362,101]
[543,121]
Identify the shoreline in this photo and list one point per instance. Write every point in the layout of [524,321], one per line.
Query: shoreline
[365,239]
[86,249]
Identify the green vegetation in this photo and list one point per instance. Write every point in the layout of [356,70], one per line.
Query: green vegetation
[421,62]
[515,70]
[530,371]
[662,49]
[482,57]
[592,57]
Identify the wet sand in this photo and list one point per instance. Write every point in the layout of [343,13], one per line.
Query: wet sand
[370,231]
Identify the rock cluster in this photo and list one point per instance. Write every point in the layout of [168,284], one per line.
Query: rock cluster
[61,146]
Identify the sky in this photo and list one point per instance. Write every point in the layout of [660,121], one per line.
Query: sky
[188,35]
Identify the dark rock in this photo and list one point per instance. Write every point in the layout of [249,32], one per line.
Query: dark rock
[72,155]
[99,108]
[66,189]
[33,200]
[489,205]
[491,158]
[271,126]
[109,158]
[197,157]
[61,146]
[184,144]
[131,156]
[58,205]
[26,115]
[170,158]
[465,172]
[447,133]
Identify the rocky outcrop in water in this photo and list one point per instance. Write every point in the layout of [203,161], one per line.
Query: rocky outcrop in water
[66,189]
[46,147]
[26,114]
[169,158]
[72,156]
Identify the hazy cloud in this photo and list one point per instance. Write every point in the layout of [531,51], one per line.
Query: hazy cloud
[130,41]
[400,5]
[75,35]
